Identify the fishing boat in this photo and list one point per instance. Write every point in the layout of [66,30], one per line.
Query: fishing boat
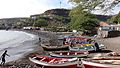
[76,40]
[108,62]
[69,54]
[54,48]
[86,47]
[51,62]
[82,47]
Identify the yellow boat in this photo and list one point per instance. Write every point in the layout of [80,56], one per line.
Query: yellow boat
[82,45]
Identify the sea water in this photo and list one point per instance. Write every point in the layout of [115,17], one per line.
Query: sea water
[17,43]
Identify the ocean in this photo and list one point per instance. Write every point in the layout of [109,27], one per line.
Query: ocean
[17,43]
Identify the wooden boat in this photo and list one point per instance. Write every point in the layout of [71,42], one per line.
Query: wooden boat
[54,48]
[113,62]
[69,54]
[76,40]
[86,47]
[51,62]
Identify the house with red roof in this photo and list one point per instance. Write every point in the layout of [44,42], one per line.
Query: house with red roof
[108,30]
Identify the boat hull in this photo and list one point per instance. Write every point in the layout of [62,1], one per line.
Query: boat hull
[54,48]
[88,48]
[69,54]
[69,64]
[89,64]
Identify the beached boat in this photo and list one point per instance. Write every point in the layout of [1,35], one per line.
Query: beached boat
[69,54]
[82,47]
[107,62]
[51,62]
[86,47]
[54,48]
[76,40]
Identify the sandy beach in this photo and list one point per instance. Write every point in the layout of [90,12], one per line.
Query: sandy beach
[112,44]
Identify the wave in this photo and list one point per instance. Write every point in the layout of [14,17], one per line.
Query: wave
[17,43]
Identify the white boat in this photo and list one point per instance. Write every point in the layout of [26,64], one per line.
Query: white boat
[69,54]
[101,63]
[51,62]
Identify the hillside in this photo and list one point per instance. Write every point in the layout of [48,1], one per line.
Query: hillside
[54,17]
[10,22]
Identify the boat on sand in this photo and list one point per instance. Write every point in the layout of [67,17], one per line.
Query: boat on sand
[105,62]
[67,54]
[86,47]
[82,47]
[54,48]
[51,62]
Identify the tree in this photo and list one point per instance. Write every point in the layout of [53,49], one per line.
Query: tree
[89,5]
[40,23]
[81,17]
[118,18]
[84,22]
[115,19]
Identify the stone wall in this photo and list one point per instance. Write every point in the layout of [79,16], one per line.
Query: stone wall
[113,33]
[104,34]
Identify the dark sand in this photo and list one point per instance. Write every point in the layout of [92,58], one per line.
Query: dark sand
[24,62]
[112,44]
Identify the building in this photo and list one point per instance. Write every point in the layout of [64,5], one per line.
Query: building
[108,30]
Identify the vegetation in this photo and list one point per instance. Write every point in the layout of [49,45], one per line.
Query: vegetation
[40,23]
[2,26]
[81,17]
[22,23]
[115,19]
[89,5]
[84,22]
[62,19]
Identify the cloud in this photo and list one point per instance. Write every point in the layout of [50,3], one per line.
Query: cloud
[23,8]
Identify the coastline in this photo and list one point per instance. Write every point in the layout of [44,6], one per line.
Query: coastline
[25,63]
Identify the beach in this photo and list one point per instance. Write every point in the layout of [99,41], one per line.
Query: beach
[111,44]
[24,62]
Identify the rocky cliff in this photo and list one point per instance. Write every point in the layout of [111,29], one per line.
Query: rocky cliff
[55,17]
[53,12]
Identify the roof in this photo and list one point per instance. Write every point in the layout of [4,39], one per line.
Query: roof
[104,24]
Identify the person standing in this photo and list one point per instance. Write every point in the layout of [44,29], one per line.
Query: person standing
[3,57]
[39,39]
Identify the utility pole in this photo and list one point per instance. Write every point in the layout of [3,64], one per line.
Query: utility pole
[60,3]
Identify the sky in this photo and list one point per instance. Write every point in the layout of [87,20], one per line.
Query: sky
[25,8]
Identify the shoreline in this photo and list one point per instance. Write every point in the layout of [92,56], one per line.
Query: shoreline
[17,43]
[25,63]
